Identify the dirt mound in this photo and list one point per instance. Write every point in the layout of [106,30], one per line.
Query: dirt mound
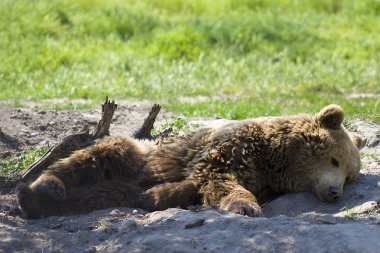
[293,223]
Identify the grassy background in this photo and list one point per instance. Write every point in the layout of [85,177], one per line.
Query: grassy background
[232,58]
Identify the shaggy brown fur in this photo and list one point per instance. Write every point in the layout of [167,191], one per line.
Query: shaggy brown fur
[235,167]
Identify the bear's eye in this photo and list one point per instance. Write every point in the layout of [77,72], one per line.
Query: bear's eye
[335,162]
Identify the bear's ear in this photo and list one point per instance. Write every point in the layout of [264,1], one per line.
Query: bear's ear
[331,117]
[357,140]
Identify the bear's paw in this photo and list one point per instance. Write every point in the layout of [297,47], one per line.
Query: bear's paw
[244,207]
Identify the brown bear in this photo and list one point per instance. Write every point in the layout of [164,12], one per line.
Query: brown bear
[235,167]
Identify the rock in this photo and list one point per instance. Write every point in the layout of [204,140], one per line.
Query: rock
[291,204]
[126,225]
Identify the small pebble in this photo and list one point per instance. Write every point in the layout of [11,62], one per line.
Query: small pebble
[92,249]
[195,224]
[135,212]
[56,226]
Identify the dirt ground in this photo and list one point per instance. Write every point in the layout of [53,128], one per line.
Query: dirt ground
[292,223]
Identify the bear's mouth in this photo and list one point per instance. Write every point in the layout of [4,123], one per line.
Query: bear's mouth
[330,195]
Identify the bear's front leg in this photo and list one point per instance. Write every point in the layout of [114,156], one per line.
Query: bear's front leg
[241,201]
[232,197]
[168,195]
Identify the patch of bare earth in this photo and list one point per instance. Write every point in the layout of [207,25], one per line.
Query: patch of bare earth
[293,222]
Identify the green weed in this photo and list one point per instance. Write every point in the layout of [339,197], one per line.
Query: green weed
[177,127]
[13,164]
[350,214]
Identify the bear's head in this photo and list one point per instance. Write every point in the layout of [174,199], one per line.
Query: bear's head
[330,154]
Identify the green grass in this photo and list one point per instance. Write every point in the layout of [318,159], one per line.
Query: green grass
[13,164]
[177,127]
[350,214]
[247,57]
[374,157]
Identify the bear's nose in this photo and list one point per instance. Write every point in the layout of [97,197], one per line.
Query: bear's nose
[334,193]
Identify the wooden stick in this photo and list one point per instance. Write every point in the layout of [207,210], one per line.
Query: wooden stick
[147,126]
[108,109]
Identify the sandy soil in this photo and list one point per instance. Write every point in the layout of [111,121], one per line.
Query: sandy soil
[292,223]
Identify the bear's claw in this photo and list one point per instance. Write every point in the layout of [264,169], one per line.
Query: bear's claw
[244,208]
[25,200]
[22,191]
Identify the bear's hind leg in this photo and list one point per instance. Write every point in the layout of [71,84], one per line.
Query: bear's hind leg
[112,193]
[32,204]
[168,195]
[50,186]
[79,200]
